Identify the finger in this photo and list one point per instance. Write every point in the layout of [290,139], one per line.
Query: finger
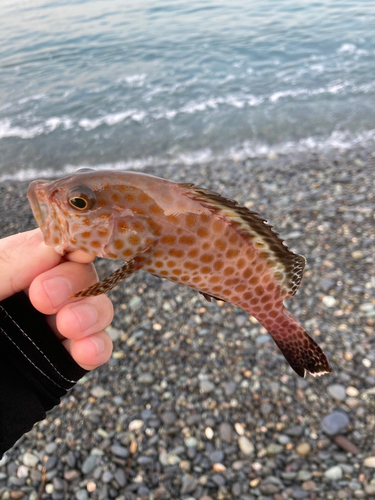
[51,290]
[80,256]
[85,317]
[23,257]
[90,352]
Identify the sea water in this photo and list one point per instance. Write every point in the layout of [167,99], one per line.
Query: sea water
[125,84]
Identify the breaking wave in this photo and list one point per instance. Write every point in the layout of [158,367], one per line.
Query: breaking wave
[247,150]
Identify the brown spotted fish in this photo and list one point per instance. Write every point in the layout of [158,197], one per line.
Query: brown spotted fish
[186,234]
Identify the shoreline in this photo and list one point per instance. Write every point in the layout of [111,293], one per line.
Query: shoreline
[201,389]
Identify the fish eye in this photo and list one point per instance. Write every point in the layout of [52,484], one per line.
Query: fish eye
[81,198]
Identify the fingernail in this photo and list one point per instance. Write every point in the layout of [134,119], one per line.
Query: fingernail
[87,315]
[99,344]
[58,290]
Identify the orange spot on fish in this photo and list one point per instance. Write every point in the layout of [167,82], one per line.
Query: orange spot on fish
[254,280]
[190,220]
[220,244]
[104,216]
[218,265]
[118,244]
[187,240]
[241,263]
[102,203]
[171,263]
[95,244]
[144,198]
[193,253]
[177,272]
[169,240]
[137,226]
[202,232]
[205,270]
[134,239]
[175,253]
[228,271]
[86,234]
[102,232]
[158,263]
[206,258]
[173,219]
[122,227]
[115,197]
[247,273]
[56,240]
[190,265]
[232,253]
[214,279]
[129,197]
[155,209]
[122,187]
[217,226]
[112,255]
[128,252]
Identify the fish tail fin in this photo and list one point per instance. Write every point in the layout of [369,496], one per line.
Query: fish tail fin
[299,349]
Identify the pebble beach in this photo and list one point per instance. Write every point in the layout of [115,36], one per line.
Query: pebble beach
[197,402]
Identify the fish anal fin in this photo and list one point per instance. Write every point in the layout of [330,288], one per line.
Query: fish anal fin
[109,282]
[209,297]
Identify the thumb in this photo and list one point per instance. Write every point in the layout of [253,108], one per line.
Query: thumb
[23,257]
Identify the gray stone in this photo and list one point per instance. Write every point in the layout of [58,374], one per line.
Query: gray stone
[225,432]
[337,391]
[334,473]
[335,423]
[230,388]
[51,463]
[189,484]
[119,451]
[120,477]
[82,494]
[218,479]
[107,476]
[30,460]
[168,418]
[89,464]
[51,448]
[98,392]
[269,488]
[246,446]
[217,456]
[206,386]
[295,431]
[146,378]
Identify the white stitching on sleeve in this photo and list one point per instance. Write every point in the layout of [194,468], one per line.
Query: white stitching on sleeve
[40,351]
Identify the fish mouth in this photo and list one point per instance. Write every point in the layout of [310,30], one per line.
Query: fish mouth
[38,202]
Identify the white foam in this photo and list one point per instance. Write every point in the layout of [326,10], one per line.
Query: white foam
[111,119]
[340,140]
[6,130]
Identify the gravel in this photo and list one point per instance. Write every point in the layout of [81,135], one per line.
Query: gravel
[196,402]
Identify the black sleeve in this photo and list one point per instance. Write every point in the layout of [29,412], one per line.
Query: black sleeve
[35,369]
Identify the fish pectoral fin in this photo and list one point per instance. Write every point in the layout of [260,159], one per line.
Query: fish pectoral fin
[109,282]
[210,297]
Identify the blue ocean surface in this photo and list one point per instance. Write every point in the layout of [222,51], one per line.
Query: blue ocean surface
[127,84]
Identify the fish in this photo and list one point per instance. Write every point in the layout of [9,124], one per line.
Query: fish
[186,234]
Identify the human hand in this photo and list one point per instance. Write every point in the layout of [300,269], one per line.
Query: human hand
[26,263]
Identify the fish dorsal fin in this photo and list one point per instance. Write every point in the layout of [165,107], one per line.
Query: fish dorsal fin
[287,266]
